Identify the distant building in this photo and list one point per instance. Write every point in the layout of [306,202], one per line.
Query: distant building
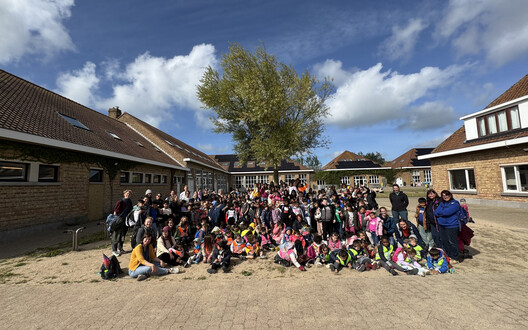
[486,160]
[362,171]
[245,176]
[414,172]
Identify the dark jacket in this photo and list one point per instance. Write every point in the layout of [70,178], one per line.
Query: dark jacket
[225,256]
[389,226]
[412,231]
[325,216]
[399,202]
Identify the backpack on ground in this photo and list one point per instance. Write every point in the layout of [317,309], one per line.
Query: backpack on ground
[110,268]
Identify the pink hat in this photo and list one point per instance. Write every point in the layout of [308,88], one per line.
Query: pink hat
[166,228]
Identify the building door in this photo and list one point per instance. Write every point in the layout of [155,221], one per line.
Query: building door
[399,181]
[95,201]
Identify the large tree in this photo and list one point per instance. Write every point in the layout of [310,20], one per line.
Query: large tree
[271,112]
[373,156]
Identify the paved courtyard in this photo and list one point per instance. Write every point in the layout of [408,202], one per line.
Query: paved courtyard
[489,291]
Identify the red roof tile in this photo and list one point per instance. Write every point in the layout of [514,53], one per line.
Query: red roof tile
[519,89]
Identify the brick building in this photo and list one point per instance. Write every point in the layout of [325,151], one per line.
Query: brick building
[486,160]
[414,172]
[56,157]
[360,171]
[245,176]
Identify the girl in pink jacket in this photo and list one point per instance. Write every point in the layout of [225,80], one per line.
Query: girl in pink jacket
[374,227]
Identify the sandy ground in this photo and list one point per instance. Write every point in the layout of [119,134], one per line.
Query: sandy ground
[64,290]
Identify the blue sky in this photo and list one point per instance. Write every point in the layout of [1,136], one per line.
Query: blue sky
[404,71]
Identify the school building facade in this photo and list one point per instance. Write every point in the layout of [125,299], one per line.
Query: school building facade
[486,160]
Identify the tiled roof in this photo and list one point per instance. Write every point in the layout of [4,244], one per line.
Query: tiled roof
[228,163]
[410,158]
[457,140]
[349,160]
[31,109]
[519,89]
[180,147]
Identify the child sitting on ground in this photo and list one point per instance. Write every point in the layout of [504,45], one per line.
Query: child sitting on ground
[207,249]
[420,252]
[238,247]
[289,254]
[324,256]
[350,237]
[334,243]
[265,239]
[437,262]
[221,259]
[340,259]
[360,257]
[384,256]
[197,252]
[312,252]
[404,257]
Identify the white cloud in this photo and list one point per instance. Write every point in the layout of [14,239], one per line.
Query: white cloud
[498,28]
[434,142]
[33,27]
[370,96]
[79,85]
[401,43]
[151,88]
[430,115]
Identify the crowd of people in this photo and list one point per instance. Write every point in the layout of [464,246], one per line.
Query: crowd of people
[293,224]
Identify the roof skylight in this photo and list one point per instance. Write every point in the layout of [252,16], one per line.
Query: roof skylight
[114,135]
[74,122]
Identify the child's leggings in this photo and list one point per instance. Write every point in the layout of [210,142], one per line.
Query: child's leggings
[387,265]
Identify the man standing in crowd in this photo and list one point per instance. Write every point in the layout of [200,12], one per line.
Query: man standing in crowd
[399,202]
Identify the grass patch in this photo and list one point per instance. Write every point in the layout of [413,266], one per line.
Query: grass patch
[50,277]
[65,282]
[65,264]
[21,282]
[20,264]
[246,273]
[201,278]
[2,261]
[94,280]
[281,270]
[187,278]
[6,275]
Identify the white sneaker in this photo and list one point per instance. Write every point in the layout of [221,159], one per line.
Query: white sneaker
[318,264]
[328,266]
[174,270]
[142,277]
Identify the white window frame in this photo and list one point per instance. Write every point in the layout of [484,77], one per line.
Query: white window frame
[240,181]
[374,179]
[345,180]
[288,178]
[302,179]
[320,182]
[360,180]
[517,178]
[428,176]
[416,178]
[250,181]
[466,169]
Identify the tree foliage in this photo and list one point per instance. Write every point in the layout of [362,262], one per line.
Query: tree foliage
[373,156]
[310,161]
[271,112]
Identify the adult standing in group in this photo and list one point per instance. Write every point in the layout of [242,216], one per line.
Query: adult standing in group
[431,204]
[399,202]
[119,230]
[327,217]
[447,217]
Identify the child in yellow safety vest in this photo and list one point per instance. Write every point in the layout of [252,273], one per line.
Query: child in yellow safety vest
[341,259]
[360,257]
[384,256]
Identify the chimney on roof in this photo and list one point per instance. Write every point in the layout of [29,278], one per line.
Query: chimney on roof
[114,112]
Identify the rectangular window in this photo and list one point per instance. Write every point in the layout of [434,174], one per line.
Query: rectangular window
[514,178]
[427,176]
[514,115]
[262,179]
[48,173]
[250,181]
[492,124]
[482,126]
[374,179]
[416,177]
[148,178]
[13,172]
[251,164]
[302,178]
[345,180]
[239,181]
[137,177]
[156,178]
[462,179]
[288,178]
[124,177]
[190,181]
[96,175]
[320,182]
[503,121]
[164,179]
[360,180]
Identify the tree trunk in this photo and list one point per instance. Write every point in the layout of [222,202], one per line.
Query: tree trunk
[276,174]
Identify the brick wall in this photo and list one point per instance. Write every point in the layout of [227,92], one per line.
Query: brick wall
[26,204]
[486,165]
